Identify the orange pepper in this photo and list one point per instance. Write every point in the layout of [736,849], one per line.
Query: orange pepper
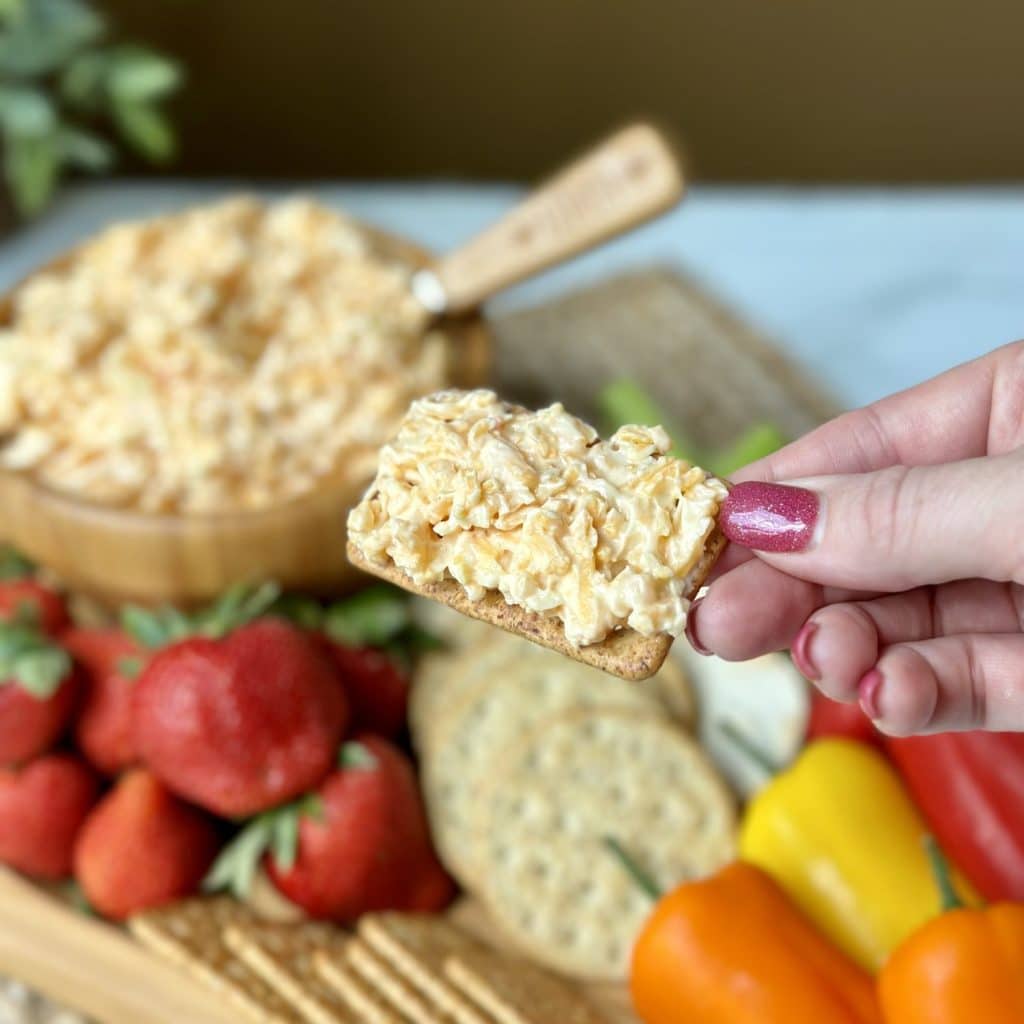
[964,967]
[732,949]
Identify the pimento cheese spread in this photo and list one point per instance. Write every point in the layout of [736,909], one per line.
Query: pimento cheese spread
[602,534]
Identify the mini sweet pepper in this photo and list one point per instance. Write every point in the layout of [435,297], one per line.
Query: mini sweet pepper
[732,949]
[966,965]
[840,834]
[970,788]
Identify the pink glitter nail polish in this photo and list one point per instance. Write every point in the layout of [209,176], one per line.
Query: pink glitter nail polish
[691,629]
[799,652]
[867,692]
[769,517]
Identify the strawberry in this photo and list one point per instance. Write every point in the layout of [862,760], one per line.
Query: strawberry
[141,847]
[377,689]
[37,692]
[110,660]
[42,807]
[360,843]
[29,601]
[240,723]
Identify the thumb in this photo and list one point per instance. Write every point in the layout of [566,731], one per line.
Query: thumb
[890,530]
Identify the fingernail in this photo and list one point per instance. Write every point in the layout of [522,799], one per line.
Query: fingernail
[867,693]
[769,517]
[691,629]
[800,653]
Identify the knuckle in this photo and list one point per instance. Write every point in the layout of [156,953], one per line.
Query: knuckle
[887,500]
[1006,412]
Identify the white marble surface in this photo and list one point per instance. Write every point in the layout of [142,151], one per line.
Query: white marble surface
[873,290]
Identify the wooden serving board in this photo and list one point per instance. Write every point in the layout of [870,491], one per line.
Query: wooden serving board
[714,373]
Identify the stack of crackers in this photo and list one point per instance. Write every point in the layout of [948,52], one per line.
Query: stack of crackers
[394,969]
[530,764]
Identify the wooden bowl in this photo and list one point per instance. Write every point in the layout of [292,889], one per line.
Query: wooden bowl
[118,554]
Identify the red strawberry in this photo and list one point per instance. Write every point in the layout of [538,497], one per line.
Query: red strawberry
[240,724]
[37,692]
[42,807]
[141,847]
[28,600]
[110,660]
[377,690]
[360,843]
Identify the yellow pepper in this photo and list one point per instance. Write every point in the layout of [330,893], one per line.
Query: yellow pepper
[840,834]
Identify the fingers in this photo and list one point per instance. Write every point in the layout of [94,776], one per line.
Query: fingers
[840,643]
[951,683]
[973,410]
[754,609]
[891,530]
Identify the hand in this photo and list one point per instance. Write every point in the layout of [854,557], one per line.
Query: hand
[892,561]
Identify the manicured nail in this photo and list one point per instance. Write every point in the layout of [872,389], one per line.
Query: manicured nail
[867,692]
[769,517]
[691,629]
[800,653]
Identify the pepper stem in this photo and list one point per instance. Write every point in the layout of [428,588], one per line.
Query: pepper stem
[948,897]
[749,748]
[643,880]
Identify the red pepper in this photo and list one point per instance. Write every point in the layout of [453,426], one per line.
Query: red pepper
[970,788]
[832,718]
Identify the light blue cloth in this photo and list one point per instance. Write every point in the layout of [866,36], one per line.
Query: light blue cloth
[872,290]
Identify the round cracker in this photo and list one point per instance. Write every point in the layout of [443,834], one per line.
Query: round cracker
[505,705]
[676,693]
[442,676]
[540,828]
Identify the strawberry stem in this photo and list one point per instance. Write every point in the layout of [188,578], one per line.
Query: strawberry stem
[31,660]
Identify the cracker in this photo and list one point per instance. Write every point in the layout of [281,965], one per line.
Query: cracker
[190,934]
[417,946]
[446,678]
[282,955]
[514,991]
[675,691]
[504,706]
[364,1002]
[540,827]
[624,653]
[380,975]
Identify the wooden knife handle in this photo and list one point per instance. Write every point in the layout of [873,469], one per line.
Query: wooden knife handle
[625,181]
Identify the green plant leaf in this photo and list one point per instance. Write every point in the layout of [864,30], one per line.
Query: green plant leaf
[146,129]
[31,165]
[83,82]
[139,75]
[11,9]
[42,35]
[370,618]
[26,112]
[84,150]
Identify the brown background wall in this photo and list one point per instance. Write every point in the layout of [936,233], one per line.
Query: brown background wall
[808,90]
